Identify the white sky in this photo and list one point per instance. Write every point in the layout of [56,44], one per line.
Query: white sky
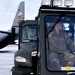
[8,9]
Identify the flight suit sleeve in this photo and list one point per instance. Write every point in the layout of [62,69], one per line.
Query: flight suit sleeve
[70,43]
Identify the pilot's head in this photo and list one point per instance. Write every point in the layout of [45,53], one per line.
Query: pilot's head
[58,27]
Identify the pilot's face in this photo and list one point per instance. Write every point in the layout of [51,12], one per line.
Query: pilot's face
[58,27]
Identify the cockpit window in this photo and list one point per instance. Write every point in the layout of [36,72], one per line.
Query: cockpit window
[60,42]
[29,33]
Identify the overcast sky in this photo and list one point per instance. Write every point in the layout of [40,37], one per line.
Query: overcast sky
[8,9]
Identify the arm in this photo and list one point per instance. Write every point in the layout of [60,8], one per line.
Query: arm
[70,43]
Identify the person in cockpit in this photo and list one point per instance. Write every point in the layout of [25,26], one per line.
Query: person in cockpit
[61,48]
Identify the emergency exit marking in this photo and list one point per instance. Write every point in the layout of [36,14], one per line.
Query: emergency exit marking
[68,68]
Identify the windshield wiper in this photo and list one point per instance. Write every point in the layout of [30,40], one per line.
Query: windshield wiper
[30,39]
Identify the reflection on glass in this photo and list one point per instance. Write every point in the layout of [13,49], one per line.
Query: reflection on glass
[29,33]
[66,26]
[60,41]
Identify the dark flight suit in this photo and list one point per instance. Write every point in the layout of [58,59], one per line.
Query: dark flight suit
[61,46]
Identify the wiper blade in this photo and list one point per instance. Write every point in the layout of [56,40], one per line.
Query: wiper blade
[31,39]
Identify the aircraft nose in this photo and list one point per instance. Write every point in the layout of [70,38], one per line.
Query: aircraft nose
[4,39]
[3,36]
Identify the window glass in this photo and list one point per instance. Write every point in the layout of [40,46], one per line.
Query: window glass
[60,42]
[29,33]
